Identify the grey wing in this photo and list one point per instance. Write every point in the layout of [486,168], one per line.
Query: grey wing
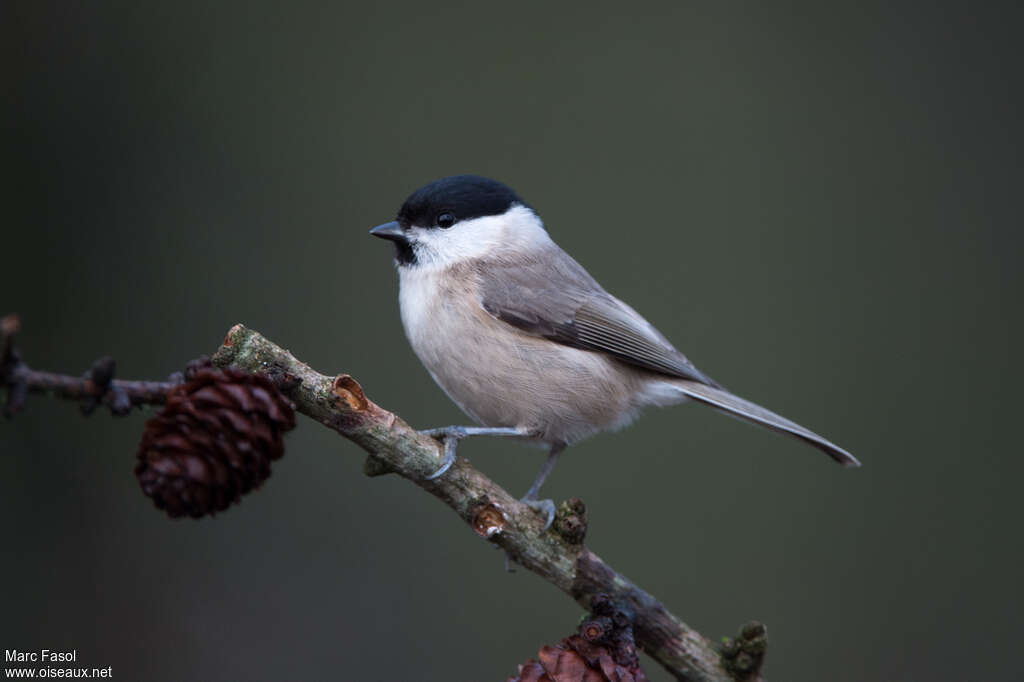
[555,298]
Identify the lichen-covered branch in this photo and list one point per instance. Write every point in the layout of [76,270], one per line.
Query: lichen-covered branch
[558,555]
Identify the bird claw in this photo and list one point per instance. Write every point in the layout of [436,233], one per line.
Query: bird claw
[451,441]
[451,435]
[445,433]
[545,507]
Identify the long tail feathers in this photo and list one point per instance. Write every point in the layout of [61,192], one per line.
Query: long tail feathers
[748,411]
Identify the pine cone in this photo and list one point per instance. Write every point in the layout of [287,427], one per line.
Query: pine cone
[213,441]
[603,651]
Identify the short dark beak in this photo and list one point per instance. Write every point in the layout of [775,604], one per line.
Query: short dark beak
[392,231]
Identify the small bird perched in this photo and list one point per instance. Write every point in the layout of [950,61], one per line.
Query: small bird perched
[524,340]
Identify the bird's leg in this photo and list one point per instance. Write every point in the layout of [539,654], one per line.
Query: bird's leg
[546,507]
[451,435]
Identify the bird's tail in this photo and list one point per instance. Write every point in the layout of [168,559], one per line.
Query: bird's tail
[722,400]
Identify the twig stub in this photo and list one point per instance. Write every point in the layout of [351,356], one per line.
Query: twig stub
[348,389]
[489,519]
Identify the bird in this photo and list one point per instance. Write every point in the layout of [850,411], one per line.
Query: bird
[524,340]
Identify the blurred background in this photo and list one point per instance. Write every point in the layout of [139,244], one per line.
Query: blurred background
[817,202]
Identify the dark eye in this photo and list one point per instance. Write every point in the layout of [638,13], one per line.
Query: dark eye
[445,220]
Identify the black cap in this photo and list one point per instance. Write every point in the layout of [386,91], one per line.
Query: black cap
[463,196]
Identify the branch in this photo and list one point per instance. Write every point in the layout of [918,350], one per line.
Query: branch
[339,403]
[96,387]
[558,556]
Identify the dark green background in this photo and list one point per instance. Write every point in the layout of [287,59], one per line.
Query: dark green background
[819,203]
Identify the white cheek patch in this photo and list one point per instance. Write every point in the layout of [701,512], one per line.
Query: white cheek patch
[518,227]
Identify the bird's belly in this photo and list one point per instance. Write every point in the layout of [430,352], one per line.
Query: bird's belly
[500,376]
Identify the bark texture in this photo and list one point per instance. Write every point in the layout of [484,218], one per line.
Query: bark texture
[557,555]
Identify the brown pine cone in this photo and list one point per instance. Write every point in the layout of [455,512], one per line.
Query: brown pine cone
[213,441]
[603,651]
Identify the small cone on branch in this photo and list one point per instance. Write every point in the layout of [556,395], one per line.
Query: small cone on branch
[602,651]
[213,441]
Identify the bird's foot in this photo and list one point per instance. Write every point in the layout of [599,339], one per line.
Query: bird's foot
[450,442]
[544,507]
[451,435]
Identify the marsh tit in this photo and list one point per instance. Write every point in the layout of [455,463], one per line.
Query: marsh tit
[524,340]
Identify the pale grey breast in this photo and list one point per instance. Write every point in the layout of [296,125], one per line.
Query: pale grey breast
[500,374]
